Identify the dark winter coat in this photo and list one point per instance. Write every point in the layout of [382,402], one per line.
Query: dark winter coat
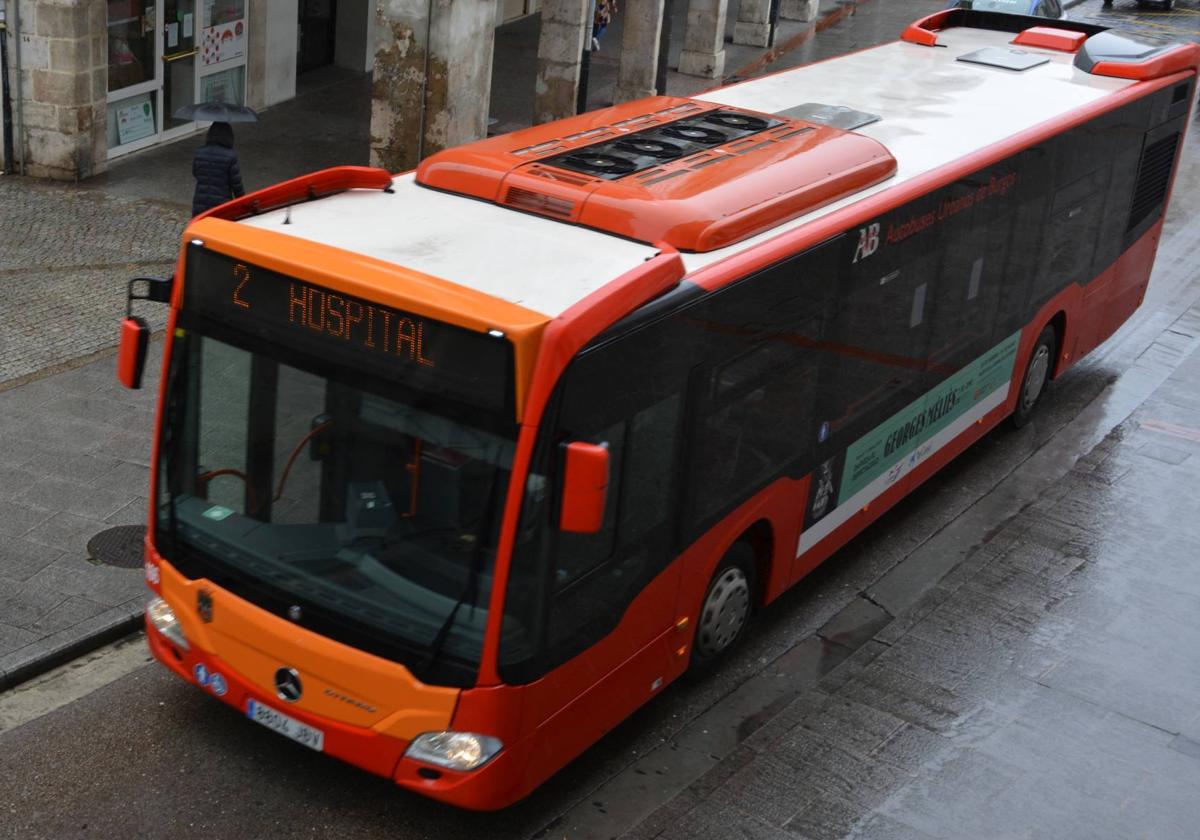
[215,166]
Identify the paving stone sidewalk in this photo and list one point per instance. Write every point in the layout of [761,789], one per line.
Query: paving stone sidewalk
[1046,687]
[74,462]
[65,256]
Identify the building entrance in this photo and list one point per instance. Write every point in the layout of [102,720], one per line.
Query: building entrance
[164,55]
[318,26]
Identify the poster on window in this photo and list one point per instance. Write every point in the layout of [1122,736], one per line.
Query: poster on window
[224,86]
[135,121]
[223,42]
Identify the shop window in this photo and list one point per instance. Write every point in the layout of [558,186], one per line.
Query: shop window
[224,35]
[227,86]
[131,119]
[131,29]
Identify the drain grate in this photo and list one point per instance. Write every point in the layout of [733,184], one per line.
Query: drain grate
[121,546]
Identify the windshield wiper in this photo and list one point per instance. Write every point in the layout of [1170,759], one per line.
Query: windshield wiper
[470,593]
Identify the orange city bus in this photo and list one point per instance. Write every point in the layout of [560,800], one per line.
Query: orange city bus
[457,468]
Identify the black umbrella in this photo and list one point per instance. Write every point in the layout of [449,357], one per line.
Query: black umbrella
[216,112]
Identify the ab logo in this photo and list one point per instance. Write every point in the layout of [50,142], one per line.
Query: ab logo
[868,242]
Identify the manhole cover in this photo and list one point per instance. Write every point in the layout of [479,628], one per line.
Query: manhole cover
[121,546]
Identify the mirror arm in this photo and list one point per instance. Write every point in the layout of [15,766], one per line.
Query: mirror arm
[158,290]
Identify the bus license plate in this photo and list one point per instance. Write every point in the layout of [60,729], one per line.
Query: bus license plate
[310,737]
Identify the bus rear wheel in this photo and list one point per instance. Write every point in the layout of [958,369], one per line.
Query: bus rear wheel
[1037,374]
[726,608]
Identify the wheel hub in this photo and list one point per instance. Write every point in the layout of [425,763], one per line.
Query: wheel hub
[1039,365]
[724,612]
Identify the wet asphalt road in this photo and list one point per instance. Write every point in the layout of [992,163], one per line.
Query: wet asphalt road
[148,756]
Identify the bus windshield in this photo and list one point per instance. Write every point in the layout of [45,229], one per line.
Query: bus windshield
[359,510]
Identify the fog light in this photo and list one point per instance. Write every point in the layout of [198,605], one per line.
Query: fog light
[455,750]
[162,618]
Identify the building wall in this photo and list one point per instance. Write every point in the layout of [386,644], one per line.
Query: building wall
[63,83]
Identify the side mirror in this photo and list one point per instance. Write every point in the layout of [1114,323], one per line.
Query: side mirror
[131,355]
[135,332]
[585,487]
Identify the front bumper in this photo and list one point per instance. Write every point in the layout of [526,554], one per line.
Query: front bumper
[490,787]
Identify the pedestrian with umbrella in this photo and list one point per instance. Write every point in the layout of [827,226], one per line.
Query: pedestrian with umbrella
[215,164]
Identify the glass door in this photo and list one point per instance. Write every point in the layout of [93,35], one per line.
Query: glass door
[179,63]
[164,55]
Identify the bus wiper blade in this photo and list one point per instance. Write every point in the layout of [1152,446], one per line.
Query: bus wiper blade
[471,590]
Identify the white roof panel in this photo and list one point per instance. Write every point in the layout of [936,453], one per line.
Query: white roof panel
[933,109]
[537,263]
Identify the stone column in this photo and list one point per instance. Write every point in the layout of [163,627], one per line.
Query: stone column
[642,21]
[271,52]
[804,10]
[565,25]
[432,78]
[64,81]
[704,39]
[753,27]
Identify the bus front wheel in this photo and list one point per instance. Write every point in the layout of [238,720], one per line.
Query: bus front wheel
[1037,374]
[725,610]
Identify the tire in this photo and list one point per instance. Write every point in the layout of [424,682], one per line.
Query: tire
[1037,374]
[726,609]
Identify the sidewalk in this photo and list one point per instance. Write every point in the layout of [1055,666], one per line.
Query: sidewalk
[1045,687]
[75,455]
[74,445]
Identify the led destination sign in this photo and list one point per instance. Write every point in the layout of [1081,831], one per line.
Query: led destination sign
[399,346]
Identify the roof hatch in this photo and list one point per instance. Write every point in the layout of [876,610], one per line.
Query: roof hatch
[690,174]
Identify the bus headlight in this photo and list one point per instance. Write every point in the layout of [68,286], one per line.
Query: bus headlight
[454,750]
[162,618]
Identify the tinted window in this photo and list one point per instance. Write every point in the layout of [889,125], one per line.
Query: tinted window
[964,297]
[755,415]
[627,393]
[880,328]
[755,402]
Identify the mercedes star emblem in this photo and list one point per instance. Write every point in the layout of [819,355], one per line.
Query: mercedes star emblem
[204,605]
[287,684]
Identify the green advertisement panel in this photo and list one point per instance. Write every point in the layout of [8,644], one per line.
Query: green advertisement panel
[893,440]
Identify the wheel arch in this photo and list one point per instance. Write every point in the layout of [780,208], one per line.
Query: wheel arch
[760,537]
[1058,322]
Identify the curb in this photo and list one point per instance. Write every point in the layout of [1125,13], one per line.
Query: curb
[70,643]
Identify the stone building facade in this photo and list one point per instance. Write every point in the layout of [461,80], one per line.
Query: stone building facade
[96,79]
[61,86]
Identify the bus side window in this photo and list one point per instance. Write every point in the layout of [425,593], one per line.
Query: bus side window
[579,554]
[1073,229]
[964,297]
[650,455]
[879,336]
[598,575]
[754,417]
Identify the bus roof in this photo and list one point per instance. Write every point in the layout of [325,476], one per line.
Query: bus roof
[933,109]
[523,259]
